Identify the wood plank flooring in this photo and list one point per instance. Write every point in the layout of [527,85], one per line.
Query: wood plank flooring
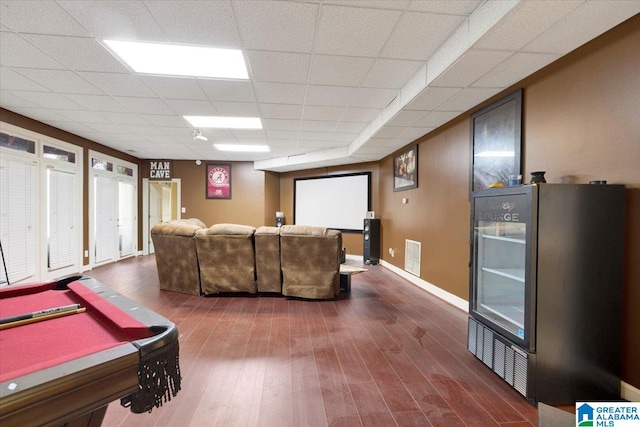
[388,354]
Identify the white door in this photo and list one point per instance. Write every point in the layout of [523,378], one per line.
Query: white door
[105,229]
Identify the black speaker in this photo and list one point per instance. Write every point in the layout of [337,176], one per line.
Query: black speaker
[279,221]
[371,238]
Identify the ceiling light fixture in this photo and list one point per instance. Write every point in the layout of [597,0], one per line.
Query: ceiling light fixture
[224,122]
[242,148]
[180,60]
[197,134]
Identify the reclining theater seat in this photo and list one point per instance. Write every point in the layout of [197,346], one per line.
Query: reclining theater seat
[268,273]
[176,259]
[227,258]
[310,259]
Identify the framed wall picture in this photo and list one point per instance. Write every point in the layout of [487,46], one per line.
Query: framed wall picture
[405,169]
[496,137]
[218,180]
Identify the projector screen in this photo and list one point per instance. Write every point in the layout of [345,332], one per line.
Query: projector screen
[336,201]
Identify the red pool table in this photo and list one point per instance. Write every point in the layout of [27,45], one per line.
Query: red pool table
[68,369]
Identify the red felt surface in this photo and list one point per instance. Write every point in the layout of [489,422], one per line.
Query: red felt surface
[29,348]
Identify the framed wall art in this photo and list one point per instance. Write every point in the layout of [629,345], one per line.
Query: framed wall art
[405,169]
[218,180]
[496,137]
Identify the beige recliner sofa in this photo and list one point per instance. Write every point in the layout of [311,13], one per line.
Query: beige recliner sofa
[310,261]
[176,258]
[226,256]
[268,274]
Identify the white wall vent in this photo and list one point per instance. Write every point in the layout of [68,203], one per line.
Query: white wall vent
[412,255]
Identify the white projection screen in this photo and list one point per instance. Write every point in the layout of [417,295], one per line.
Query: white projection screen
[335,201]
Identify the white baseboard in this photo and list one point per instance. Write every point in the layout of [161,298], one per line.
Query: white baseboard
[629,392]
[454,300]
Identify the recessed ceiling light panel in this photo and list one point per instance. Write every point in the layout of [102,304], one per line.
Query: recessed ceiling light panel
[180,60]
[224,122]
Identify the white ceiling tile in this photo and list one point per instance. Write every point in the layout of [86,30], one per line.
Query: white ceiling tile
[280,111]
[237,109]
[82,116]
[374,98]
[12,80]
[413,133]
[145,105]
[458,7]
[276,25]
[330,95]
[109,128]
[48,100]
[279,67]
[339,70]
[280,124]
[77,53]
[97,103]
[60,81]
[282,134]
[119,84]
[515,69]
[418,35]
[387,132]
[187,107]
[8,100]
[18,52]
[279,93]
[361,115]
[391,73]
[44,115]
[73,127]
[350,127]
[255,134]
[470,67]
[467,98]
[122,20]
[590,20]
[406,118]
[227,90]
[145,130]
[524,23]
[431,97]
[43,17]
[198,22]
[374,4]
[165,121]
[354,31]
[124,118]
[174,87]
[318,125]
[317,112]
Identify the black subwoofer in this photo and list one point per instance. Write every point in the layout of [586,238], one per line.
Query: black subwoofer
[371,239]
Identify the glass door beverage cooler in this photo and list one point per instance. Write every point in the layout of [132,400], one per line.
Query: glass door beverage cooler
[546,288]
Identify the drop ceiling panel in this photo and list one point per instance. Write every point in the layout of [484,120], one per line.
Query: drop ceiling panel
[391,73]
[418,35]
[12,80]
[339,70]
[279,93]
[470,67]
[98,103]
[48,100]
[237,109]
[188,107]
[117,84]
[459,7]
[40,17]
[122,20]
[197,22]
[354,31]
[227,90]
[432,97]
[175,88]
[18,52]
[278,67]
[276,25]
[60,81]
[77,53]
[318,112]
[515,69]
[330,95]
[280,111]
[145,105]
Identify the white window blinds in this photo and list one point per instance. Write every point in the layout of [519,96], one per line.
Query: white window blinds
[104,226]
[18,216]
[127,229]
[62,238]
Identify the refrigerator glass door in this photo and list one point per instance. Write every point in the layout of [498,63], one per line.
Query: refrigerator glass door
[500,263]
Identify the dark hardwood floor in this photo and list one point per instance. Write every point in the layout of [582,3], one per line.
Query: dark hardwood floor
[387,354]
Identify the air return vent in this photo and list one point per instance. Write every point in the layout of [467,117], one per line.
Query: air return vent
[412,250]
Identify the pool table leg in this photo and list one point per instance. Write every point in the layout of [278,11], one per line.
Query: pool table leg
[92,419]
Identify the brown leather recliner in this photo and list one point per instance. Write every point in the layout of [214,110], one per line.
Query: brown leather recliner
[227,258]
[310,261]
[176,258]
